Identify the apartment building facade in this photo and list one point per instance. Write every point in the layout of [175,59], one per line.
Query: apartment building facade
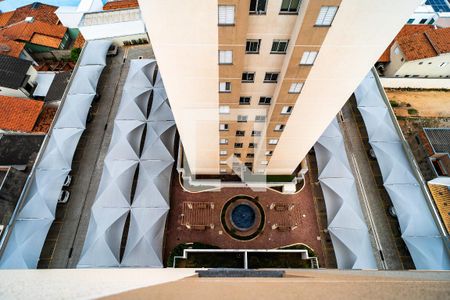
[260,80]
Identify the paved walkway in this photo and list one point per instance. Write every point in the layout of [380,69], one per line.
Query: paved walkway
[382,239]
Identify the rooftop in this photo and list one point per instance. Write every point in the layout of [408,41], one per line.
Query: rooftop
[10,48]
[109,17]
[439,139]
[19,149]
[13,71]
[58,86]
[429,43]
[39,11]
[119,4]
[19,114]
[5,17]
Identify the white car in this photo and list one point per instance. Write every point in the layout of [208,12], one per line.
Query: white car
[68,181]
[63,196]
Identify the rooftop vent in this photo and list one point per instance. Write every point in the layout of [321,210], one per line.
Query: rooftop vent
[4,48]
[29,19]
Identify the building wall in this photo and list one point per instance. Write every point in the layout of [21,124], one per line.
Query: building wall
[186,40]
[441,196]
[433,67]
[13,93]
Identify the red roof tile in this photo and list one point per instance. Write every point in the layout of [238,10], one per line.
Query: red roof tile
[5,17]
[44,13]
[10,48]
[19,114]
[405,31]
[45,119]
[120,4]
[440,39]
[24,31]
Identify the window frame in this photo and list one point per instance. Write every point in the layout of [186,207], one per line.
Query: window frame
[248,80]
[249,41]
[224,127]
[224,109]
[273,141]
[288,111]
[256,11]
[263,100]
[324,18]
[226,57]
[296,90]
[223,141]
[279,41]
[227,83]
[242,118]
[245,97]
[306,60]
[256,133]
[223,153]
[271,74]
[281,127]
[238,145]
[238,133]
[260,118]
[226,23]
[289,11]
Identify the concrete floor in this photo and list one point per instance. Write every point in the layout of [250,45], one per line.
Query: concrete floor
[65,240]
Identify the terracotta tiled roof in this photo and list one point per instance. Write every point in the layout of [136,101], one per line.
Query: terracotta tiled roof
[425,44]
[406,30]
[42,12]
[19,114]
[45,40]
[45,119]
[121,4]
[25,31]
[11,48]
[79,42]
[5,17]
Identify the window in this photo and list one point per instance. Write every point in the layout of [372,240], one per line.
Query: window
[264,162]
[271,77]
[224,109]
[250,155]
[223,141]
[278,127]
[225,57]
[252,46]
[256,133]
[223,171]
[286,110]
[273,141]
[265,100]
[240,133]
[279,46]
[242,118]
[223,152]
[260,118]
[238,145]
[223,162]
[423,21]
[252,145]
[238,155]
[244,100]
[248,77]
[431,21]
[444,64]
[326,15]
[397,50]
[290,6]
[410,21]
[223,127]
[295,88]
[258,6]
[225,87]
[226,14]
[308,57]
[269,153]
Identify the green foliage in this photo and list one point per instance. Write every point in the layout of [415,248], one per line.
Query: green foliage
[75,54]
[394,103]
[412,111]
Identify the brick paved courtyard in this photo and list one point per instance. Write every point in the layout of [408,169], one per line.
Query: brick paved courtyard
[187,207]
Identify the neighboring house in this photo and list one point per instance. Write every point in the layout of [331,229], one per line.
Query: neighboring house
[417,51]
[440,189]
[121,4]
[17,77]
[18,114]
[432,12]
[436,142]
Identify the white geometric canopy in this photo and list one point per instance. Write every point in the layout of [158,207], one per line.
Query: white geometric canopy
[151,201]
[41,193]
[419,229]
[346,224]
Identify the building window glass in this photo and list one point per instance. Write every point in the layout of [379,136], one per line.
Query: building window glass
[223,152]
[279,46]
[271,77]
[223,141]
[308,57]
[286,110]
[250,155]
[256,133]
[269,153]
[224,109]
[226,14]
[273,141]
[225,57]
[242,118]
[223,127]
[258,6]
[260,118]
[240,133]
[225,87]
[290,6]
[244,100]
[252,145]
[410,21]
[252,46]
[265,100]
[238,145]
[326,15]
[279,127]
[295,88]
[248,77]
[423,21]
[238,155]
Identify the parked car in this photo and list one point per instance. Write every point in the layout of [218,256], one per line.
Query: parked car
[372,154]
[392,212]
[113,50]
[63,196]
[68,181]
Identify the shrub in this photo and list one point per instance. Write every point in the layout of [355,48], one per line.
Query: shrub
[412,111]
[394,103]
[75,54]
